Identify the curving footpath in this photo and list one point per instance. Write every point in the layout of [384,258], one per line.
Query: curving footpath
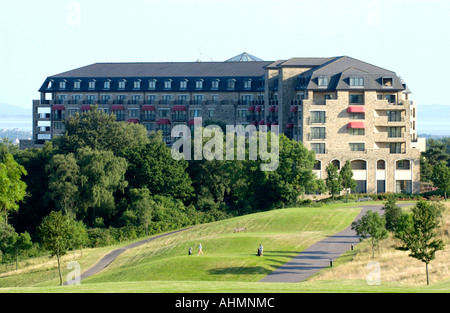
[110,257]
[317,257]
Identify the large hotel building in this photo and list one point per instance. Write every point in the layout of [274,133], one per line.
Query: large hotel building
[340,107]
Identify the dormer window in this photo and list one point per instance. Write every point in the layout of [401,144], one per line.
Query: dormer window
[183,84]
[231,83]
[199,84]
[323,81]
[248,84]
[168,84]
[77,84]
[107,84]
[122,84]
[152,84]
[387,82]
[62,84]
[215,84]
[92,84]
[356,81]
[50,84]
[137,84]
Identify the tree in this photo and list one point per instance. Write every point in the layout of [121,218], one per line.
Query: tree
[55,231]
[12,188]
[392,213]
[18,244]
[99,131]
[78,235]
[143,205]
[101,175]
[63,182]
[151,166]
[333,180]
[441,177]
[371,225]
[347,181]
[417,232]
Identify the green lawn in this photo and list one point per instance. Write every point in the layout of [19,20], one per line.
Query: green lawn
[229,262]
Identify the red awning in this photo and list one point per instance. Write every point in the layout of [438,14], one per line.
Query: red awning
[289,125]
[272,108]
[194,121]
[58,107]
[268,124]
[261,123]
[163,121]
[258,108]
[252,108]
[179,108]
[274,123]
[356,109]
[276,109]
[148,108]
[293,109]
[356,125]
[133,120]
[85,107]
[117,108]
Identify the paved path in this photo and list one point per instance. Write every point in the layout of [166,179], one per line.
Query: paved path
[317,257]
[107,259]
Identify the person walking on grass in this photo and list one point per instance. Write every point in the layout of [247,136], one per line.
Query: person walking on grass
[200,249]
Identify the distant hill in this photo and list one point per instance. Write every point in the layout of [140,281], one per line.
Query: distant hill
[9,110]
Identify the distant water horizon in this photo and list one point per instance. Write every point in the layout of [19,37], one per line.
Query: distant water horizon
[437,128]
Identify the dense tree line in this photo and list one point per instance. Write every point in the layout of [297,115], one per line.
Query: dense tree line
[435,164]
[112,182]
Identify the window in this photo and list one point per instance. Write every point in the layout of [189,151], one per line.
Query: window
[387,82]
[105,99]
[182,99]
[357,116]
[242,113]
[356,81]
[168,84]
[62,85]
[215,84]
[151,99]
[394,132]
[121,99]
[149,126]
[323,81]
[163,112]
[148,116]
[356,99]
[215,99]
[133,112]
[211,113]
[92,84]
[91,99]
[58,125]
[136,99]
[195,113]
[403,165]
[231,84]
[137,84]
[318,133]
[167,98]
[198,99]
[248,84]
[395,148]
[359,146]
[318,117]
[318,148]
[152,84]
[183,84]
[122,84]
[199,84]
[73,112]
[107,84]
[356,131]
[403,186]
[76,98]
[394,116]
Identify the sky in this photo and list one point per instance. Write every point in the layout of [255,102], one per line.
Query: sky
[47,37]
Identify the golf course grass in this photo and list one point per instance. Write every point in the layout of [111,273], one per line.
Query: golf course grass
[228,263]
